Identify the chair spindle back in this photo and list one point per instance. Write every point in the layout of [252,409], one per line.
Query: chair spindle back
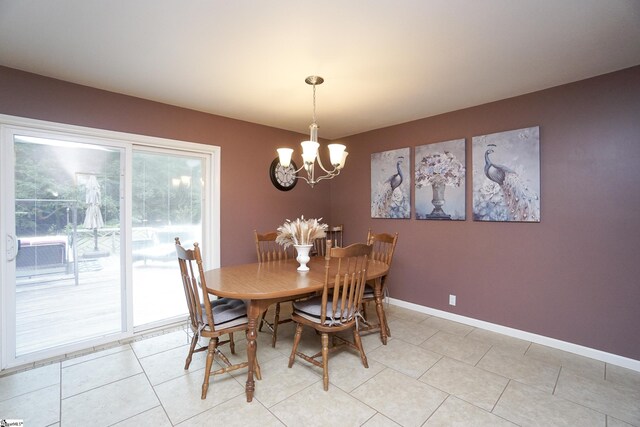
[349,281]
[195,286]
[268,250]
[384,245]
[334,235]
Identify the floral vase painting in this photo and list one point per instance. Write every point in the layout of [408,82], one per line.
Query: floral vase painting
[440,181]
[390,184]
[506,176]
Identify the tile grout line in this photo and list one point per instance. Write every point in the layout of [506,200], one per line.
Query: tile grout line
[483,356]
[365,403]
[129,348]
[439,406]
[555,386]
[95,358]
[30,391]
[153,389]
[500,397]
[100,386]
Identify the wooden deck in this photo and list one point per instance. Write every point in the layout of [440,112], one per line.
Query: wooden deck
[52,311]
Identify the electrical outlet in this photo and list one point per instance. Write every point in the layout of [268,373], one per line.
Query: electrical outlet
[452,300]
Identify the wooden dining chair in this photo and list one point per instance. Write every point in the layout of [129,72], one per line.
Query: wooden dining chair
[337,308]
[268,250]
[210,319]
[334,235]
[384,246]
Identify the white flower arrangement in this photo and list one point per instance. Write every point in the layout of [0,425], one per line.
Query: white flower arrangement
[440,168]
[300,232]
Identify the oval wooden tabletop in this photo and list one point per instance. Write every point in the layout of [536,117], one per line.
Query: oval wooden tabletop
[274,279]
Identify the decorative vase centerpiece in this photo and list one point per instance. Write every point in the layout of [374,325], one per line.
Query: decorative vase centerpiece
[303,256]
[300,234]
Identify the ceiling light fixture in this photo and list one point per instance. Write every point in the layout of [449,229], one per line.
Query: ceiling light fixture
[337,153]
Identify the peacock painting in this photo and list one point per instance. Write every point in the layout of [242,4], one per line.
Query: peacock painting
[506,176]
[390,191]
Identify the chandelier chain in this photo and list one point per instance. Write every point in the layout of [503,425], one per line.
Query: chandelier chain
[314,103]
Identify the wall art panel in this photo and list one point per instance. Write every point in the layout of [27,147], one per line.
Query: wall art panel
[440,180]
[390,184]
[506,176]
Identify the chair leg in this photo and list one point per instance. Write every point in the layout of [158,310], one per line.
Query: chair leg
[262,321]
[383,323]
[325,361]
[222,357]
[296,341]
[194,341]
[358,342]
[364,311]
[213,344]
[256,370]
[232,344]
[276,320]
[386,324]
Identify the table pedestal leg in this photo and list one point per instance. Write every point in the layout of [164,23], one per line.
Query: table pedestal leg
[254,311]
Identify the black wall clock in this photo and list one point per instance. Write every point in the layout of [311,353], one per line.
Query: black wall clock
[284,179]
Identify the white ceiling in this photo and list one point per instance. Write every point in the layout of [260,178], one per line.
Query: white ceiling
[384,62]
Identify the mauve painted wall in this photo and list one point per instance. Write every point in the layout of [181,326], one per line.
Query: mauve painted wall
[575,276]
[248,199]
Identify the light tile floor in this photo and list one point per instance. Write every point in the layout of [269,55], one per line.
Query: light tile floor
[433,372]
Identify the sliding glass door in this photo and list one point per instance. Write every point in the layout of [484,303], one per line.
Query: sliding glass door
[69,284]
[88,223]
[167,203]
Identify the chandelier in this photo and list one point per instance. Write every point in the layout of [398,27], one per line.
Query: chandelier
[337,153]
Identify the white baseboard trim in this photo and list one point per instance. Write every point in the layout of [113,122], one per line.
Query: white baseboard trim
[592,353]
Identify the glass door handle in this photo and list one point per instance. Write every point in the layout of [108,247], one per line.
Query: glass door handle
[12,249]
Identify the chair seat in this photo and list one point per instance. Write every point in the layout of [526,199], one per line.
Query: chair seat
[311,310]
[227,312]
[368,292]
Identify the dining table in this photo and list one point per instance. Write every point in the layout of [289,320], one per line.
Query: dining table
[262,284]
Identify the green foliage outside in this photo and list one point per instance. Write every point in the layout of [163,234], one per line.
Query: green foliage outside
[50,179]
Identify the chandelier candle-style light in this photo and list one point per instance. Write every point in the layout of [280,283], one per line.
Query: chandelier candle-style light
[337,153]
